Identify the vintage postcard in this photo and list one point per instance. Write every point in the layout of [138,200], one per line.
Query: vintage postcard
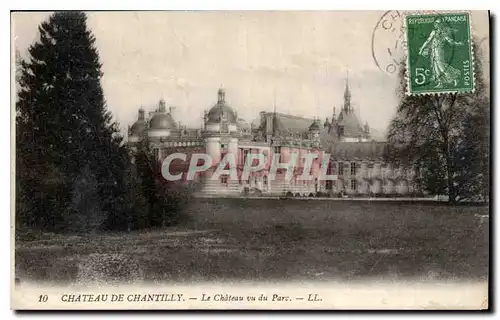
[281,160]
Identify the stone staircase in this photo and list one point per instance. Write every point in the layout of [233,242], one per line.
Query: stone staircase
[216,188]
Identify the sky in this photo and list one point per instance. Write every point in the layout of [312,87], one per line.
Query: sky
[296,60]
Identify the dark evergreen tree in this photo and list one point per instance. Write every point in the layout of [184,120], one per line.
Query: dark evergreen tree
[63,126]
[84,212]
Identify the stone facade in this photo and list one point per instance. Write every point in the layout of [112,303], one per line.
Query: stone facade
[354,157]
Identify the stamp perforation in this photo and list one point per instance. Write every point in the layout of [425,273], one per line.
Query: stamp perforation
[407,74]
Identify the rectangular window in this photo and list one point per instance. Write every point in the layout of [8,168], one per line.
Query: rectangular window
[277,150]
[353,168]
[341,168]
[329,168]
[245,155]
[265,180]
[354,185]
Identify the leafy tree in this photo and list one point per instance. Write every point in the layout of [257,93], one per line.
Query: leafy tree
[446,137]
[166,200]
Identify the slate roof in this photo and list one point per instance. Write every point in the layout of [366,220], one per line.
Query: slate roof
[289,123]
[314,126]
[372,150]
[352,126]
[138,127]
[162,121]
[326,140]
[220,110]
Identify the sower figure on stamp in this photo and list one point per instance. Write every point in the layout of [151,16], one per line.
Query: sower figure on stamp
[434,47]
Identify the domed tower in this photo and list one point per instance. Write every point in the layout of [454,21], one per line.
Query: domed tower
[221,126]
[314,130]
[161,122]
[137,130]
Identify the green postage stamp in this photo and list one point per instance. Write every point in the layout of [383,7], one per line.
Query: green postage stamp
[440,55]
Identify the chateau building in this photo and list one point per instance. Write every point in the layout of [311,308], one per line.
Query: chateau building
[343,145]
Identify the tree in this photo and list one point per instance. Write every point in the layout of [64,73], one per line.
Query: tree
[63,126]
[446,137]
[84,211]
[165,199]
[73,171]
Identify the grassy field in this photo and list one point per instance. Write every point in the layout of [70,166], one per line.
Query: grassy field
[229,239]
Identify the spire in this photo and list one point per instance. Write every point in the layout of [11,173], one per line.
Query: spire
[347,95]
[141,113]
[316,112]
[274,102]
[275,120]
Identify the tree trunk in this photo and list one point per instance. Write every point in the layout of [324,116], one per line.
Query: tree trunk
[449,172]
[451,187]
